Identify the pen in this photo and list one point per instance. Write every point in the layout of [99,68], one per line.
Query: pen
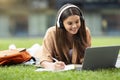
[53,59]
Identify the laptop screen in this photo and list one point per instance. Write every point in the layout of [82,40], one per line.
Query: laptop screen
[100,57]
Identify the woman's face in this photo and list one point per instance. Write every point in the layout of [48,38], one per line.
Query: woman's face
[72,24]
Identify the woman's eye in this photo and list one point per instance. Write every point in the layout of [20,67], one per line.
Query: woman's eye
[77,21]
[69,23]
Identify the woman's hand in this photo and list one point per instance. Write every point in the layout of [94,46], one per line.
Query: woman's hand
[58,65]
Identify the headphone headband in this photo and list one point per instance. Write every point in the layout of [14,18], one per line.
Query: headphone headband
[59,15]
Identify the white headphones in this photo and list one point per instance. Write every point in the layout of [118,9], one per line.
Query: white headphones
[62,10]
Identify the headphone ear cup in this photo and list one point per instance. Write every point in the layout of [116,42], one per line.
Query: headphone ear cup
[61,24]
[81,18]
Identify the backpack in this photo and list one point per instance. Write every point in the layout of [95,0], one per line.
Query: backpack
[14,56]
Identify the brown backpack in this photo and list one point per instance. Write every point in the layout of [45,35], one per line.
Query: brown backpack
[14,56]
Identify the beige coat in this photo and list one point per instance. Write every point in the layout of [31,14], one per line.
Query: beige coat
[49,44]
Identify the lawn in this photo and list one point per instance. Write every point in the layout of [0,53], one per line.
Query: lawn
[27,72]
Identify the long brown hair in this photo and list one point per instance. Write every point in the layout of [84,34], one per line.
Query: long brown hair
[79,39]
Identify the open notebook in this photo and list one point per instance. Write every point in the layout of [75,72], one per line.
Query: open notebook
[96,58]
[67,67]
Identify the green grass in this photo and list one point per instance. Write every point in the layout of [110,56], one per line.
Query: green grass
[19,42]
[105,41]
[23,72]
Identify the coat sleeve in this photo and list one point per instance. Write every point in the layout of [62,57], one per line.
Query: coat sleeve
[47,46]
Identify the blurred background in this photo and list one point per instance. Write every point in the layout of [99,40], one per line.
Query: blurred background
[31,18]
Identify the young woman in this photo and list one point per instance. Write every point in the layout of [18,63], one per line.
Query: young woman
[66,41]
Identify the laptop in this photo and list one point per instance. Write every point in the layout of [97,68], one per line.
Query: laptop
[100,57]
